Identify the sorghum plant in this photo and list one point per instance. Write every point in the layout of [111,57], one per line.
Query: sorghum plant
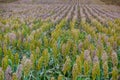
[1,74]
[67,65]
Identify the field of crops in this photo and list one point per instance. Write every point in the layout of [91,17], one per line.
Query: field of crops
[77,40]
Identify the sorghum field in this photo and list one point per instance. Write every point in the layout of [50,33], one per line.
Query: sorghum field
[59,40]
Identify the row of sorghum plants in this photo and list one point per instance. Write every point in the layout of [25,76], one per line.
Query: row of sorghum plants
[41,50]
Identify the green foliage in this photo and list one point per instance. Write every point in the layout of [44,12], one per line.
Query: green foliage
[49,51]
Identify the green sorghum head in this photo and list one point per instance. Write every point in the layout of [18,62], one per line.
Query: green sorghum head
[5,63]
[75,72]
[1,74]
[115,73]
[67,65]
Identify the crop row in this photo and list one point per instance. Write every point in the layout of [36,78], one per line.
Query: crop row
[68,49]
[58,11]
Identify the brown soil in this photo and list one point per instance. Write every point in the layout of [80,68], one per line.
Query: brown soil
[113,2]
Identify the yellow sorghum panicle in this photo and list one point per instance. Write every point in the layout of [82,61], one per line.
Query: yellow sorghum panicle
[45,41]
[11,37]
[64,52]
[52,42]
[75,33]
[12,58]
[5,41]
[23,60]
[75,72]
[74,52]
[25,43]
[18,43]
[4,63]
[46,57]
[99,47]
[118,40]
[33,58]
[14,76]
[39,42]
[91,47]
[114,58]
[32,46]
[96,68]
[34,55]
[38,51]
[1,54]
[85,44]
[60,77]
[67,65]
[4,50]
[79,64]
[111,40]
[109,48]
[1,74]
[115,73]
[82,57]
[0,37]
[16,58]
[55,51]
[62,23]
[40,62]
[105,63]
[86,67]
[52,78]
[68,46]
[72,25]
[105,69]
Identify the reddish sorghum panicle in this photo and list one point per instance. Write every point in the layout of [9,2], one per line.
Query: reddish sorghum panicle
[114,58]
[8,73]
[27,66]
[19,71]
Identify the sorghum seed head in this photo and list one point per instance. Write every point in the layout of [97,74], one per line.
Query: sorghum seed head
[46,57]
[19,71]
[5,63]
[40,62]
[8,73]
[104,57]
[52,78]
[14,76]
[75,72]
[1,74]
[60,77]
[115,73]
[114,58]
[105,69]
[27,66]
[87,56]
[67,65]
